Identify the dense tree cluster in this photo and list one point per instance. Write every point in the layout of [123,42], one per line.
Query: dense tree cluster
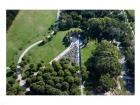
[60,78]
[99,24]
[130,61]
[12,86]
[105,65]
[106,27]
[79,18]
[10,14]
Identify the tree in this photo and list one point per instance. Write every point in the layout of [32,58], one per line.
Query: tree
[67,72]
[75,91]
[39,78]
[106,58]
[69,79]
[61,73]
[65,86]
[56,66]
[50,82]
[72,69]
[98,27]
[38,87]
[107,82]
[46,76]
[130,62]
[49,68]
[28,81]
[11,80]
[58,85]
[84,73]
[77,80]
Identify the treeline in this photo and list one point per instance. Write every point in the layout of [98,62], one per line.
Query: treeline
[12,85]
[10,16]
[101,24]
[104,67]
[79,18]
[60,78]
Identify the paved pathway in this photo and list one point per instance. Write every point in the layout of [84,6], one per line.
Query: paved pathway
[77,43]
[19,76]
[27,49]
[64,52]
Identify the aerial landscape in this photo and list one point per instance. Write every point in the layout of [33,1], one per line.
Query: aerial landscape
[70,52]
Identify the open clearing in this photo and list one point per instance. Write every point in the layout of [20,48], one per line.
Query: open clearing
[50,50]
[27,28]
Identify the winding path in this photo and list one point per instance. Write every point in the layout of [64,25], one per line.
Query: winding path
[27,49]
[21,81]
[18,70]
[122,60]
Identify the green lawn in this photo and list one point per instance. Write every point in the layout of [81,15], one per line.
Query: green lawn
[27,28]
[131,12]
[87,51]
[50,50]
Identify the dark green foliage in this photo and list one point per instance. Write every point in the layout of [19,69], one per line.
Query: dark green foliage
[14,88]
[65,86]
[56,66]
[78,18]
[57,79]
[10,16]
[106,59]
[103,28]
[84,73]
[107,82]
[69,79]
[38,87]
[104,67]
[130,61]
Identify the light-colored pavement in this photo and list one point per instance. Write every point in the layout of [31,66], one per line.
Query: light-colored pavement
[118,84]
[27,49]
[19,71]
[64,52]
[58,14]
[19,76]
[77,42]
[127,77]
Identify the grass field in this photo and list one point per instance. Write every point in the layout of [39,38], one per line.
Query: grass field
[27,28]
[50,50]
[87,51]
[131,12]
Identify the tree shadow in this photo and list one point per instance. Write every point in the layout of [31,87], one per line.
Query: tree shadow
[42,43]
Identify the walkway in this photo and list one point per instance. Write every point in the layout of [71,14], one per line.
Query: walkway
[122,60]
[19,75]
[78,58]
[27,49]
[63,53]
